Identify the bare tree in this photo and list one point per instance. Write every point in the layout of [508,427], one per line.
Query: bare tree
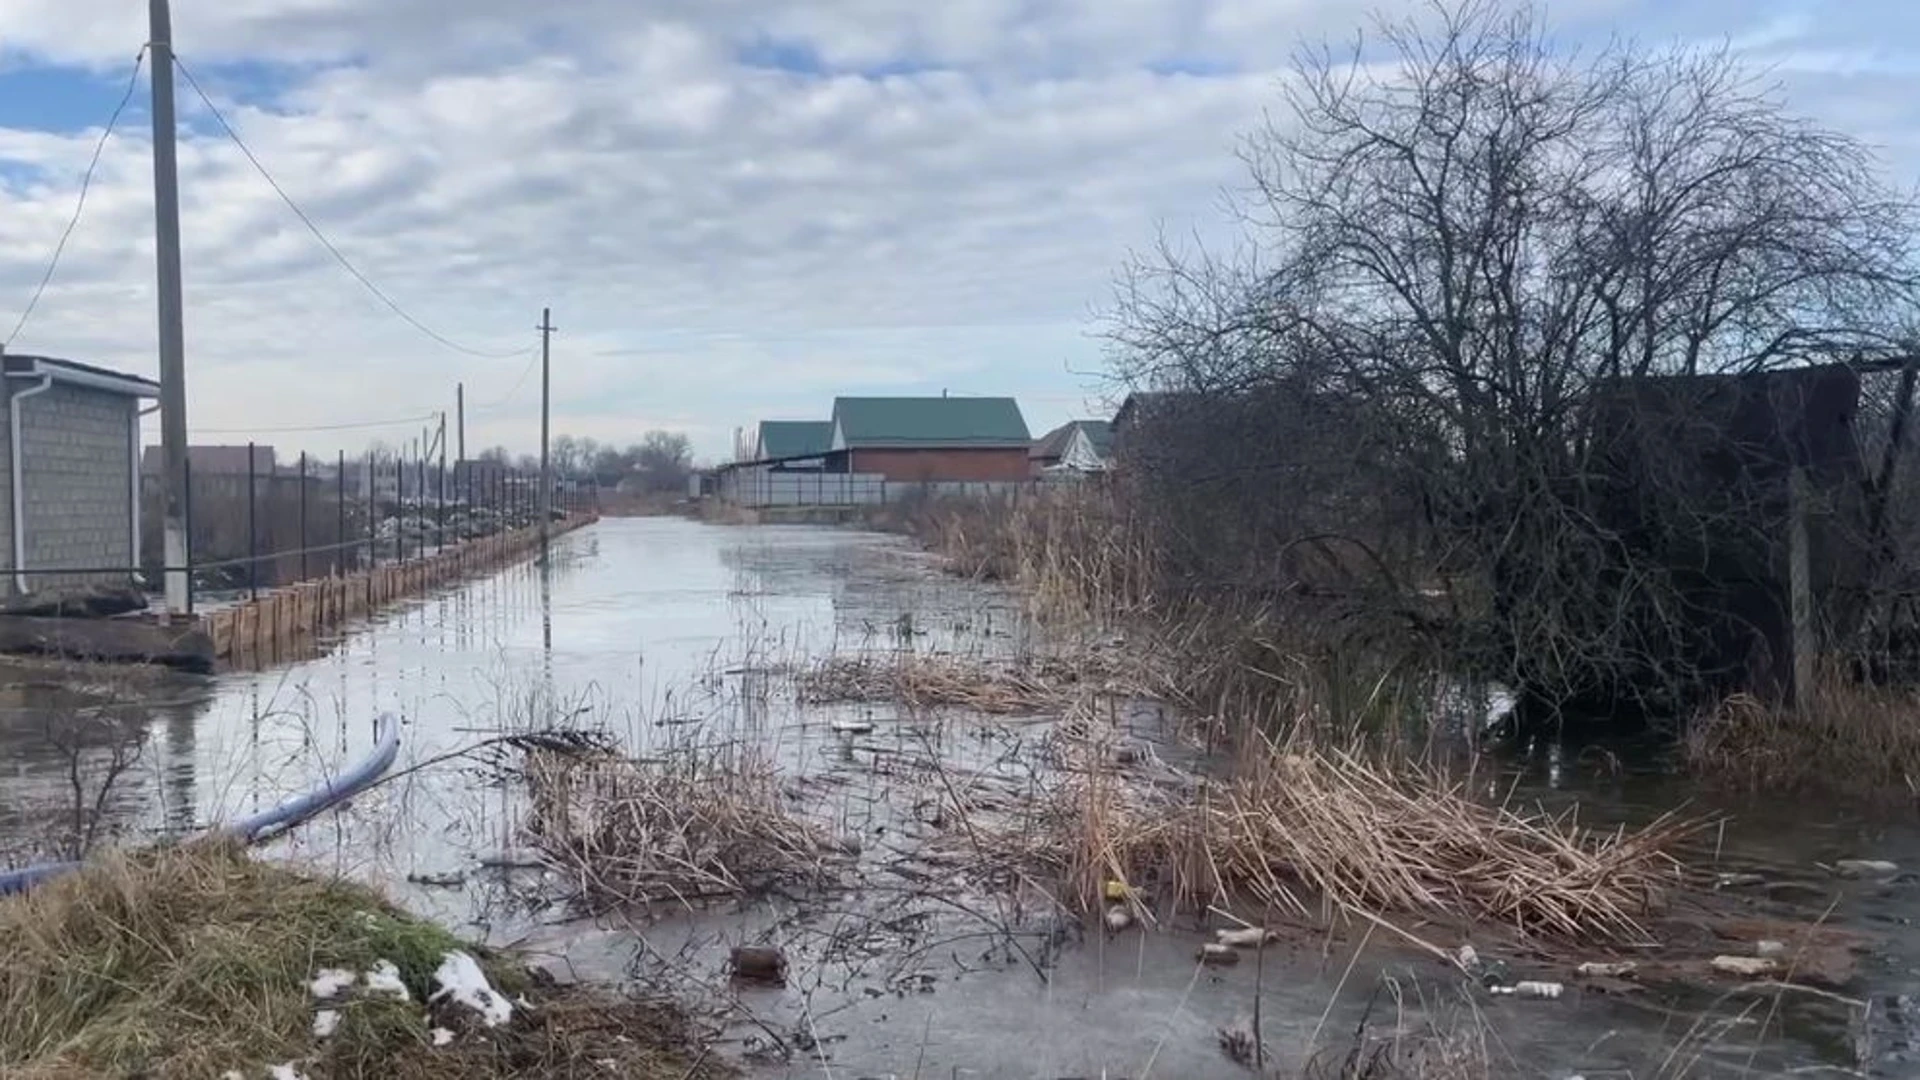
[1461,248]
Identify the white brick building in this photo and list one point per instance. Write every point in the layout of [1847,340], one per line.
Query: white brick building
[71,444]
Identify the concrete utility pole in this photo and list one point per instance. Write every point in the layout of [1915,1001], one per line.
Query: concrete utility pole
[460,419]
[544,504]
[173,344]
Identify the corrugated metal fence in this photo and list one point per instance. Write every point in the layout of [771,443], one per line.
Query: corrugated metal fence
[758,486]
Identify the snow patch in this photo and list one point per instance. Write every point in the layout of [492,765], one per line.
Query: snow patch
[461,980]
[385,979]
[284,1072]
[325,1023]
[329,982]
[441,1036]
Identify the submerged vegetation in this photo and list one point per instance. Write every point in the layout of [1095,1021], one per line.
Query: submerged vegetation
[1304,832]
[683,826]
[198,961]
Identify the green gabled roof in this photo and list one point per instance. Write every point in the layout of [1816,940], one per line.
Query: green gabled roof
[1100,434]
[782,439]
[930,421]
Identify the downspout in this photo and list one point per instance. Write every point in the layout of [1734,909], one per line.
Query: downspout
[135,484]
[19,501]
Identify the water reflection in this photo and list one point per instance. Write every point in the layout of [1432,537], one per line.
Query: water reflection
[646,624]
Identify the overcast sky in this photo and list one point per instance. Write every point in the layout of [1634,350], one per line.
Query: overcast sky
[736,208]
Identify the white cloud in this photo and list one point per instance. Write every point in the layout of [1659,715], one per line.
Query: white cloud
[720,239]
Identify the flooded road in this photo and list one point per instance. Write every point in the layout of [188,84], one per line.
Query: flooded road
[662,630]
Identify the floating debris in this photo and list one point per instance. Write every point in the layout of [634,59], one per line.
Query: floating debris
[1738,881]
[847,725]
[1615,970]
[1769,948]
[1119,917]
[1544,991]
[451,880]
[1747,967]
[758,963]
[1251,937]
[1218,955]
[1865,868]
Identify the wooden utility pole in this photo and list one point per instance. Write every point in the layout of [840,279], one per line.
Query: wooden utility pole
[460,420]
[544,504]
[1800,588]
[173,346]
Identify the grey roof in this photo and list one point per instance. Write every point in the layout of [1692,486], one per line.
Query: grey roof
[1053,445]
[136,385]
[784,439]
[930,422]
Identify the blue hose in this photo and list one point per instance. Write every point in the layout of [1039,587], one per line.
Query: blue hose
[261,826]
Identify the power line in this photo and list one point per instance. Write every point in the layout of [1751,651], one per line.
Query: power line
[296,428]
[80,205]
[517,384]
[338,256]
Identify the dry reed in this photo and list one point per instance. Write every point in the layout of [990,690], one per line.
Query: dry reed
[1853,739]
[1296,827]
[917,680]
[691,825]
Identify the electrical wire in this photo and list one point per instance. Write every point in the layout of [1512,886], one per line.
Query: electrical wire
[338,256]
[517,384]
[80,204]
[297,428]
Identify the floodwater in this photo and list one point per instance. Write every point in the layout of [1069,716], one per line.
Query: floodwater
[664,630]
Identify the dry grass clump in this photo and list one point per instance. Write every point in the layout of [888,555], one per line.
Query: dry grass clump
[1299,827]
[690,825]
[1067,548]
[1853,739]
[190,962]
[921,680]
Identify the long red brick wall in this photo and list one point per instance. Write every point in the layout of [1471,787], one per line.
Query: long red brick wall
[924,466]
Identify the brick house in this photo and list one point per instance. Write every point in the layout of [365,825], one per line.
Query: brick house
[72,486]
[930,439]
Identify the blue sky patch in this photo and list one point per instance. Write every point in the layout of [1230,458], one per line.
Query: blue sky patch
[64,100]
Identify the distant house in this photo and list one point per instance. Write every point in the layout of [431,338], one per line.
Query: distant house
[792,445]
[1077,446]
[215,460]
[930,439]
[73,437]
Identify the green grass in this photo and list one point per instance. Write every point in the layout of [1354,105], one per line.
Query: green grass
[189,963]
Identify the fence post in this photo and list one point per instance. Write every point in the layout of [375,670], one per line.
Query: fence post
[400,508]
[253,546]
[420,496]
[304,574]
